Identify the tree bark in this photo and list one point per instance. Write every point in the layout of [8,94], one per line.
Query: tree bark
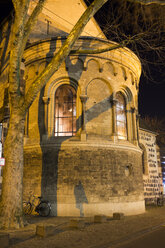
[63,52]
[11,204]
[13,173]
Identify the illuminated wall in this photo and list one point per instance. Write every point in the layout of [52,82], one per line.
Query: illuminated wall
[81,146]
[152,176]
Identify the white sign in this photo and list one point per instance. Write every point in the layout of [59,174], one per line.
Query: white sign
[0,149]
[2,161]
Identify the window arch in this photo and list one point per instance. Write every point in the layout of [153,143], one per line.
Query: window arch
[121,120]
[65,111]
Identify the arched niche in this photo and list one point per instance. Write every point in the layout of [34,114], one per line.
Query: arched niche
[132,78]
[30,72]
[110,68]
[93,64]
[98,107]
[124,73]
[41,66]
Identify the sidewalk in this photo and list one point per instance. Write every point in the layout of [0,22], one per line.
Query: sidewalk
[104,235]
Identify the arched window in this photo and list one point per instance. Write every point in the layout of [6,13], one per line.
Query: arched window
[121,121]
[65,111]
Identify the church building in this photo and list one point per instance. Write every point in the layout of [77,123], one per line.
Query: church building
[81,149]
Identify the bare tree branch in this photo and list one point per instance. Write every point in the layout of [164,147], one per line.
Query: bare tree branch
[57,60]
[133,17]
[21,31]
[15,4]
[100,50]
[111,47]
[146,2]
[32,21]
[16,47]
[1,114]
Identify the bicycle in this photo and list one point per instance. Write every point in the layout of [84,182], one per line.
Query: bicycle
[160,201]
[43,207]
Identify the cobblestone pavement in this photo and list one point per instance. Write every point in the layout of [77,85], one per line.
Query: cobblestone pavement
[103,235]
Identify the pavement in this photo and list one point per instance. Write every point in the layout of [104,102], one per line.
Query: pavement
[109,234]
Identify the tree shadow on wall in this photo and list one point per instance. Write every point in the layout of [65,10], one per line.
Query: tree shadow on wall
[50,156]
[96,110]
[51,148]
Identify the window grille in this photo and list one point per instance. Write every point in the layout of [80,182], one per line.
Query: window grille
[65,111]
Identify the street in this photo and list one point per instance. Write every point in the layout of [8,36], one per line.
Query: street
[153,239]
[138,231]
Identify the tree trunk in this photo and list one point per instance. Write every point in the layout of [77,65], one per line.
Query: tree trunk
[13,173]
[19,103]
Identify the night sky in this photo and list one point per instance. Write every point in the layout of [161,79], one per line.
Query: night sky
[151,99]
[151,95]
[5,8]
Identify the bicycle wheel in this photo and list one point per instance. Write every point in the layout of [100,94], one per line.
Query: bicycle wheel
[44,209]
[159,202]
[27,208]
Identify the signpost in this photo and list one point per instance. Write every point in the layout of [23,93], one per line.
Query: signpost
[2,161]
[0,147]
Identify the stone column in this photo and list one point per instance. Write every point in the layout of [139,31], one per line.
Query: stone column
[137,125]
[128,120]
[83,131]
[134,125]
[26,136]
[114,126]
[46,102]
[22,77]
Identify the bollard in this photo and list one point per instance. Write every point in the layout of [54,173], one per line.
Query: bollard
[118,216]
[76,223]
[44,230]
[100,218]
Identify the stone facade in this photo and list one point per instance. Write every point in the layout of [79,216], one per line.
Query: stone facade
[106,172]
[107,178]
[161,157]
[98,168]
[152,174]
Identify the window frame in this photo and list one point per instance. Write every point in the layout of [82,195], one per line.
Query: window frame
[121,107]
[63,119]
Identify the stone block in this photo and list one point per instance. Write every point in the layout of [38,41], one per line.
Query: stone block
[76,223]
[4,240]
[118,216]
[44,230]
[100,218]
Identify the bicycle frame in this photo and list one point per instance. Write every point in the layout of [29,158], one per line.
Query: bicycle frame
[34,200]
[42,207]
